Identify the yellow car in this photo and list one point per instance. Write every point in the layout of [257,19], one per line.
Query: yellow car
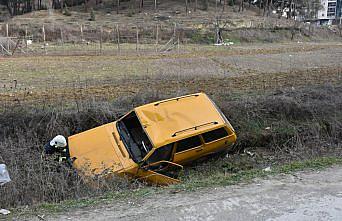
[152,140]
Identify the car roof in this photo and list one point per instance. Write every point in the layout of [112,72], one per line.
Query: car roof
[174,119]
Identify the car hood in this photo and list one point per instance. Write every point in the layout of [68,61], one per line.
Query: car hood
[95,151]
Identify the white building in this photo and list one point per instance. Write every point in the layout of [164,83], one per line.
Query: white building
[328,12]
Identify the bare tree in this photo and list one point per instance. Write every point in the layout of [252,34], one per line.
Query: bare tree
[220,25]
[241,6]
[339,27]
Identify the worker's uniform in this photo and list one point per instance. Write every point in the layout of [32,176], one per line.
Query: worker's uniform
[58,146]
[62,152]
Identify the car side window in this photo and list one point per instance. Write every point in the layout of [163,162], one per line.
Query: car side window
[214,135]
[162,153]
[188,143]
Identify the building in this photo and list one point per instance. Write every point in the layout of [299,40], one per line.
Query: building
[339,10]
[330,11]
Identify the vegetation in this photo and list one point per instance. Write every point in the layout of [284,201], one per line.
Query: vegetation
[195,183]
[303,124]
[67,11]
[305,8]
[92,15]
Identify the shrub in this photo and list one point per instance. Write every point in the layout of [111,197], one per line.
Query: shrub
[92,15]
[66,11]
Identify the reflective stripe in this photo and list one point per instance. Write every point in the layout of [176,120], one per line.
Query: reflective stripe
[60,159]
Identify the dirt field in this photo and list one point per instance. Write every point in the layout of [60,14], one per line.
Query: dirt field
[194,68]
[310,195]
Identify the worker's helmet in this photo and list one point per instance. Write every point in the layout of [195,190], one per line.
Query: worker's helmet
[58,141]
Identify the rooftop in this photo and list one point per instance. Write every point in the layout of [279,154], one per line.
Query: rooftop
[173,119]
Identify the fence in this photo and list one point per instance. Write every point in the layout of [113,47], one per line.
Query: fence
[117,38]
[79,39]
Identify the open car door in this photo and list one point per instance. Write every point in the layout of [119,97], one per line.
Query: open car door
[160,173]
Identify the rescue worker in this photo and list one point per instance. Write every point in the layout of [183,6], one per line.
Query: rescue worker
[4,176]
[58,145]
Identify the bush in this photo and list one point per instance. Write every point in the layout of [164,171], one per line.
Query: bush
[92,15]
[199,37]
[205,4]
[66,11]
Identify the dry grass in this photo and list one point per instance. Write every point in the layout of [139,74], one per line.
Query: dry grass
[201,68]
[305,123]
[111,89]
[69,94]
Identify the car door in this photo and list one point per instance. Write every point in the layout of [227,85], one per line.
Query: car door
[167,173]
[188,149]
[158,168]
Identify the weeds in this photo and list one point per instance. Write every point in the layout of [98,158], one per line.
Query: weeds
[277,128]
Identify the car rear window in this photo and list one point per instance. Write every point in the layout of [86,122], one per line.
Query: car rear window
[188,143]
[214,135]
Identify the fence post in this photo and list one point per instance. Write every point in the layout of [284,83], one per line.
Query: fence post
[6,29]
[118,37]
[157,37]
[7,37]
[44,39]
[62,38]
[26,38]
[101,31]
[137,43]
[81,28]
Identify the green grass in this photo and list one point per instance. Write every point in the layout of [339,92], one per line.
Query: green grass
[221,179]
[192,182]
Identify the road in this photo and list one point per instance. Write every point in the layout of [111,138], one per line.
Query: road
[309,195]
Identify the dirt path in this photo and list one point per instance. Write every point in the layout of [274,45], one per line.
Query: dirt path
[310,195]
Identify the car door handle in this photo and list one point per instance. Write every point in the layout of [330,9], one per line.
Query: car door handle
[198,150]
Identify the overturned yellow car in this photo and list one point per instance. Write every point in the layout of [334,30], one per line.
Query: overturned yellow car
[154,140]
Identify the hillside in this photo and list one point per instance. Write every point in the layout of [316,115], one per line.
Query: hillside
[193,27]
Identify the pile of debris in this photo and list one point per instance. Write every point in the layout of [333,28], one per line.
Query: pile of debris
[4,178]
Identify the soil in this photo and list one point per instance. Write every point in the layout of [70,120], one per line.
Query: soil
[244,67]
[309,195]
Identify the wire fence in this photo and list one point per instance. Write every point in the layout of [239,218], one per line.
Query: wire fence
[83,39]
[90,39]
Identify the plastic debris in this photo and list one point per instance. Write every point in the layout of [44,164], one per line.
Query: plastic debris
[4,176]
[267,128]
[224,43]
[267,169]
[41,217]
[249,153]
[4,211]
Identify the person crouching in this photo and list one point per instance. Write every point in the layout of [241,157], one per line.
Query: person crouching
[58,145]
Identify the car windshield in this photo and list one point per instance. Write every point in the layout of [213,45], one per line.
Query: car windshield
[134,137]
